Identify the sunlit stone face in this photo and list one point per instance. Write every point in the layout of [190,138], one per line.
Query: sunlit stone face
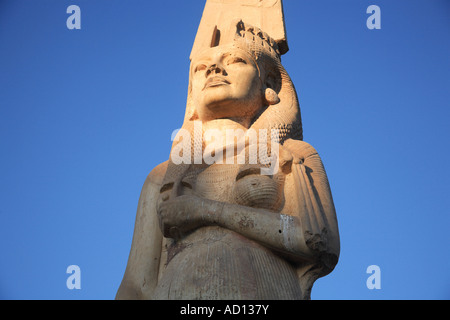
[226,84]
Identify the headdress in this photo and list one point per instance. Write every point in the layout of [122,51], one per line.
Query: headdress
[284,116]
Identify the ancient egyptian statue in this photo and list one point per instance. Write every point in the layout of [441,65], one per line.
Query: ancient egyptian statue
[242,209]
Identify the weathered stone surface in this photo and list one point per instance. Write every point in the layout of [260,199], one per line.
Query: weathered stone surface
[242,209]
[217,15]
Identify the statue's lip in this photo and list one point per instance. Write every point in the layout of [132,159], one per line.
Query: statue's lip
[215,81]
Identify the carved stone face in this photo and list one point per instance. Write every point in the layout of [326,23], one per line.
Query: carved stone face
[226,84]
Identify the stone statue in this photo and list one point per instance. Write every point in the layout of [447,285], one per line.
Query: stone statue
[222,219]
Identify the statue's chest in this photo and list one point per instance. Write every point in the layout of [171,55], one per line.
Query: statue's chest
[226,183]
[217,182]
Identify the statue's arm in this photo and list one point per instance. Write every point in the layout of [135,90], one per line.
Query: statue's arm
[313,203]
[281,232]
[141,273]
[277,231]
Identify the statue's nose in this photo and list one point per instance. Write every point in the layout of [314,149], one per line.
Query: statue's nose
[215,69]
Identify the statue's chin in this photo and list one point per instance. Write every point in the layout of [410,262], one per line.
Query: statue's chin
[228,109]
[217,110]
[221,101]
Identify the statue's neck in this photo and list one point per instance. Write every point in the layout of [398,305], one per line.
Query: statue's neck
[221,133]
[226,124]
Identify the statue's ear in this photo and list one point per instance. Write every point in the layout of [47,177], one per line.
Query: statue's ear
[271,85]
[271,97]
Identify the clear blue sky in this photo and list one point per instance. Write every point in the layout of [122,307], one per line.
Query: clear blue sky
[86,114]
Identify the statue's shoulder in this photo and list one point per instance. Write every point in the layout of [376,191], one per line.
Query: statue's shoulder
[156,176]
[300,149]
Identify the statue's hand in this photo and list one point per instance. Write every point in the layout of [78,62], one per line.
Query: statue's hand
[299,150]
[294,152]
[180,215]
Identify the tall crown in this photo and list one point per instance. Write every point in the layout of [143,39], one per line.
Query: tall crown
[259,40]
[252,19]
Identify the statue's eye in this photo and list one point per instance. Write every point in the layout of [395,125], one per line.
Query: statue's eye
[167,186]
[200,67]
[233,60]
